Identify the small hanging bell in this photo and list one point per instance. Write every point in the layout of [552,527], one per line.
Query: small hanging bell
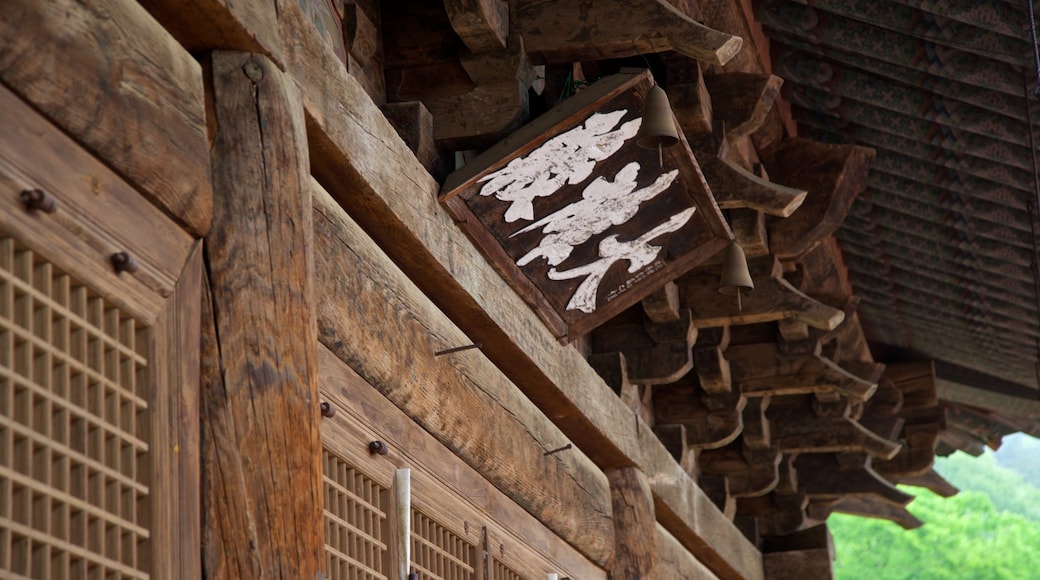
[735,275]
[657,129]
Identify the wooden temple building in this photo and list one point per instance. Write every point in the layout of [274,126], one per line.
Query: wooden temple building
[364,289]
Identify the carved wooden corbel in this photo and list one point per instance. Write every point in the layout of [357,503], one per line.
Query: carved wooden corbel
[772,299]
[710,421]
[798,428]
[832,174]
[576,30]
[761,368]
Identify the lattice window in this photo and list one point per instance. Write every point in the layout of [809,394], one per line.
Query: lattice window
[438,553]
[500,571]
[355,522]
[74,431]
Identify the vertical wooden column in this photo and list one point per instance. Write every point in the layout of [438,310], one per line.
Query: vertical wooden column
[635,524]
[261,447]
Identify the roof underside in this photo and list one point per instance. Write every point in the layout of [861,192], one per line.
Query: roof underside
[940,247]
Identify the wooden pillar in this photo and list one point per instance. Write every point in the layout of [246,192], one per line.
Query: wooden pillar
[635,524]
[261,448]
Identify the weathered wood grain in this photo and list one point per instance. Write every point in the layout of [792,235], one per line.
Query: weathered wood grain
[761,368]
[773,298]
[365,414]
[635,526]
[487,421]
[368,169]
[112,78]
[261,465]
[483,25]
[571,30]
[203,25]
[675,563]
[89,198]
[736,187]
[742,100]
[176,534]
[832,174]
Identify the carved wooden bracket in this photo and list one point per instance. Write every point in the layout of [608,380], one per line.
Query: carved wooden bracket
[576,30]
[762,369]
[710,421]
[751,472]
[772,299]
[832,174]
[798,428]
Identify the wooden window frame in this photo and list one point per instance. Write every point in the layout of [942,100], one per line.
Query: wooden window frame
[98,214]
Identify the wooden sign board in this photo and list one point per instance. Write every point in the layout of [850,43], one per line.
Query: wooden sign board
[578,218]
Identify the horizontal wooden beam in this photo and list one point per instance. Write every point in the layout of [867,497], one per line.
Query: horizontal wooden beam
[557,31]
[122,87]
[773,299]
[488,413]
[364,413]
[356,154]
[762,368]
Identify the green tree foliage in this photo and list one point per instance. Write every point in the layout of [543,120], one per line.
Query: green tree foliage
[991,530]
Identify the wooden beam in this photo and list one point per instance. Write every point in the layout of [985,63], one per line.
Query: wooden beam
[663,305]
[122,87]
[688,95]
[675,561]
[368,169]
[772,299]
[262,453]
[749,230]
[706,427]
[483,25]
[487,413]
[930,480]
[735,187]
[750,472]
[557,31]
[742,100]
[671,356]
[204,25]
[710,362]
[831,476]
[635,526]
[494,108]
[870,507]
[761,368]
[805,554]
[363,39]
[797,428]
[832,174]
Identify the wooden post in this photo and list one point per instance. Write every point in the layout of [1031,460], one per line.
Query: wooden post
[635,525]
[261,463]
[400,512]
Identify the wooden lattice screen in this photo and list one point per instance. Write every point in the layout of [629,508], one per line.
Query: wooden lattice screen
[355,522]
[437,552]
[500,571]
[74,433]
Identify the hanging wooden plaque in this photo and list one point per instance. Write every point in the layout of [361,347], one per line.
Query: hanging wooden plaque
[578,218]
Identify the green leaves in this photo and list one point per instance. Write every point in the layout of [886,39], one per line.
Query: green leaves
[991,530]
